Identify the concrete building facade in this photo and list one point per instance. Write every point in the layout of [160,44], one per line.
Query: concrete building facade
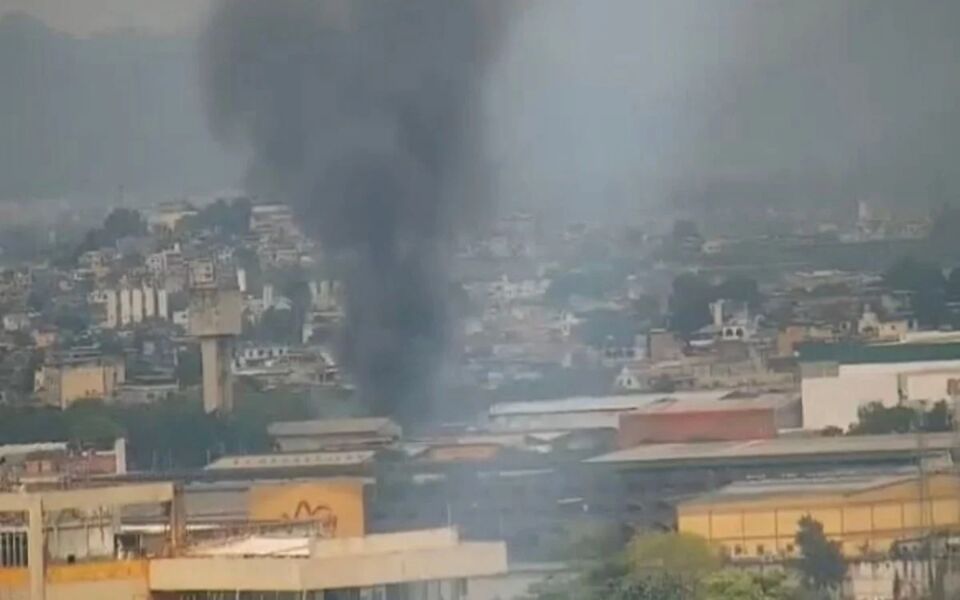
[216,319]
[61,382]
[837,381]
[425,564]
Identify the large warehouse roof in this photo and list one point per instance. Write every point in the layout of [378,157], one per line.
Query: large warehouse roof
[847,447]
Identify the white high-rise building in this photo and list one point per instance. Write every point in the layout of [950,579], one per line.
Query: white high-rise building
[162,310]
[112,318]
[149,302]
[136,305]
[267,296]
[242,280]
[125,307]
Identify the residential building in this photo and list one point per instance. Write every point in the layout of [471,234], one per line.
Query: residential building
[663,345]
[66,378]
[130,305]
[147,390]
[793,335]
[58,462]
[136,305]
[272,220]
[16,321]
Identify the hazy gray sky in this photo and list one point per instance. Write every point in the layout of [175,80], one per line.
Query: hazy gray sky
[86,17]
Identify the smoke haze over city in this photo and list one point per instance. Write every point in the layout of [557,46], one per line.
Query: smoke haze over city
[616,99]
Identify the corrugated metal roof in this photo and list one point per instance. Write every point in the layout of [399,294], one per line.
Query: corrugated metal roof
[680,406]
[24,449]
[652,454]
[288,460]
[846,484]
[598,403]
[333,427]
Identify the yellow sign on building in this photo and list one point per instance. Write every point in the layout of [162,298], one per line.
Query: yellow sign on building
[336,505]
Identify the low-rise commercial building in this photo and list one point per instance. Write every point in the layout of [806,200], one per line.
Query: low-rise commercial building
[334,434]
[866,514]
[674,421]
[48,557]
[66,378]
[837,380]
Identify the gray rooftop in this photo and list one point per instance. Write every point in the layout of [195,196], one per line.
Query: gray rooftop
[359,426]
[654,455]
[599,403]
[849,483]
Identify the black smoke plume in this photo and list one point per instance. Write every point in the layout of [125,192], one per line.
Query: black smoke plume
[362,115]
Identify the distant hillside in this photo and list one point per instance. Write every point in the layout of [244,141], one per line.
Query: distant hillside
[84,116]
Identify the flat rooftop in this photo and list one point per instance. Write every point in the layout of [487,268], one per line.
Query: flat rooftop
[353,426]
[623,402]
[843,484]
[840,447]
[684,406]
[878,354]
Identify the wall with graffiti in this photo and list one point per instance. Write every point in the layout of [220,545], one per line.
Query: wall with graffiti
[336,505]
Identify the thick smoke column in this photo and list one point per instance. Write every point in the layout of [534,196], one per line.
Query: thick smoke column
[361,114]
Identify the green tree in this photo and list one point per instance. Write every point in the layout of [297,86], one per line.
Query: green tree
[821,565]
[737,584]
[939,417]
[953,285]
[95,429]
[123,222]
[680,554]
[875,418]
[189,370]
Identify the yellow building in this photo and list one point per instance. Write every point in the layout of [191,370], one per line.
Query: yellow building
[753,520]
[63,382]
[72,544]
[336,505]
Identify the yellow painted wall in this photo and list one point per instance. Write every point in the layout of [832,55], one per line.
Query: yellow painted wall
[865,521]
[338,505]
[13,577]
[98,571]
[89,381]
[82,581]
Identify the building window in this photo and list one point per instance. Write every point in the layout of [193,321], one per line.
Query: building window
[761,550]
[790,548]
[737,550]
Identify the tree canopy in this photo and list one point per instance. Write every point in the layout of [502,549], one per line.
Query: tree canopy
[821,565]
[875,418]
[167,434]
